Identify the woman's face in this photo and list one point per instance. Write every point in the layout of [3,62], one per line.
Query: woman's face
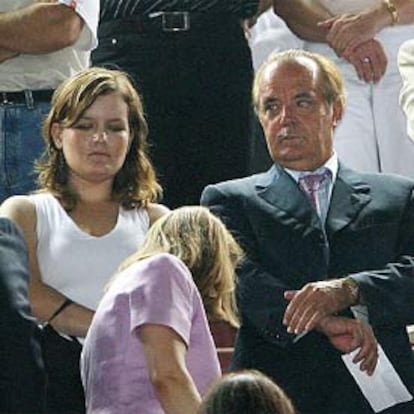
[95,147]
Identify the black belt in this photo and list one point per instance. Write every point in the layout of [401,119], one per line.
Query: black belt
[27,97]
[165,22]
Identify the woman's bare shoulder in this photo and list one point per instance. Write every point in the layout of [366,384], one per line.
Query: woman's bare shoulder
[155,211]
[20,209]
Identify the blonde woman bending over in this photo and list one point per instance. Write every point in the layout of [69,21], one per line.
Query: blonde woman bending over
[149,348]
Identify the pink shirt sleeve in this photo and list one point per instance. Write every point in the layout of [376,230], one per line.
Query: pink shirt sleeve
[164,296]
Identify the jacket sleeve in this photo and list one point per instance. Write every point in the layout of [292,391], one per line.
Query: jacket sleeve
[21,368]
[388,292]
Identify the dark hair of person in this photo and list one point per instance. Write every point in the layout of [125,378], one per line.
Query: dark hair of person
[246,392]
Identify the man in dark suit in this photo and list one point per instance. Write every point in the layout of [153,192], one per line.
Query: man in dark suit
[314,251]
[21,368]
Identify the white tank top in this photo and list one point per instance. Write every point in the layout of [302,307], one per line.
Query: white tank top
[348,6]
[75,263]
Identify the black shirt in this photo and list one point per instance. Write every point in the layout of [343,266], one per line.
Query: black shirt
[118,9]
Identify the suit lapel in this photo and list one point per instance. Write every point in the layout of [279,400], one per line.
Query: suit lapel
[350,194]
[280,190]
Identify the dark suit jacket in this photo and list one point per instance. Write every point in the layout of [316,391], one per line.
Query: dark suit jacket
[370,232]
[21,368]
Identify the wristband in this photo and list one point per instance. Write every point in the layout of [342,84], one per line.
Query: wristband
[63,306]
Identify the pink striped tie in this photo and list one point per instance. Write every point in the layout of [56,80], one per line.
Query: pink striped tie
[310,184]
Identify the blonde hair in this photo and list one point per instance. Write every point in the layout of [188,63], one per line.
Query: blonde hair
[330,78]
[206,247]
[135,183]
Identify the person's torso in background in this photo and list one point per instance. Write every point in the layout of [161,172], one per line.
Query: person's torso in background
[348,6]
[125,8]
[45,71]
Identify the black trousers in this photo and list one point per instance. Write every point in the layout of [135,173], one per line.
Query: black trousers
[64,391]
[196,88]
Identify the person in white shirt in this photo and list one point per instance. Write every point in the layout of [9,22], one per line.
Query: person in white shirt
[42,43]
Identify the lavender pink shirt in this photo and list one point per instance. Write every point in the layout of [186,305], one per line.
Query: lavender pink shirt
[157,290]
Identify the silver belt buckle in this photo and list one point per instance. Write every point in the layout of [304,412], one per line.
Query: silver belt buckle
[28,95]
[175,21]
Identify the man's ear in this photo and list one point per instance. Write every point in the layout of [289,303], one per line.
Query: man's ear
[338,110]
[56,132]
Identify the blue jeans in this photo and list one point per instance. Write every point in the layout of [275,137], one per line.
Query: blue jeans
[21,143]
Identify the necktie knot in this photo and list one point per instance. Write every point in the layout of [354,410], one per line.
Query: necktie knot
[310,184]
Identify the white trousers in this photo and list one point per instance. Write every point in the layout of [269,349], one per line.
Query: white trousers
[406,66]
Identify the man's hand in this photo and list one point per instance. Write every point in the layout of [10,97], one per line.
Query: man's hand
[347,334]
[347,31]
[369,60]
[313,302]
[351,36]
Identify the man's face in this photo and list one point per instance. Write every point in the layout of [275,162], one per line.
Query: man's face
[297,122]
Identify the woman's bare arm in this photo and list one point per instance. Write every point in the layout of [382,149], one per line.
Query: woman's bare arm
[165,354]
[44,300]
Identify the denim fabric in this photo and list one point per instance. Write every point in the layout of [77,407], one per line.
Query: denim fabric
[20,144]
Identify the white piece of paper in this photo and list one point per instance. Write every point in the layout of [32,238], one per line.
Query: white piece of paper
[384,388]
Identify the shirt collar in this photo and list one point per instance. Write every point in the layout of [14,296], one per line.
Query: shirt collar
[331,164]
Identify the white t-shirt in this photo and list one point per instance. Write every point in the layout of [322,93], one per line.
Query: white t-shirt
[48,70]
[348,6]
